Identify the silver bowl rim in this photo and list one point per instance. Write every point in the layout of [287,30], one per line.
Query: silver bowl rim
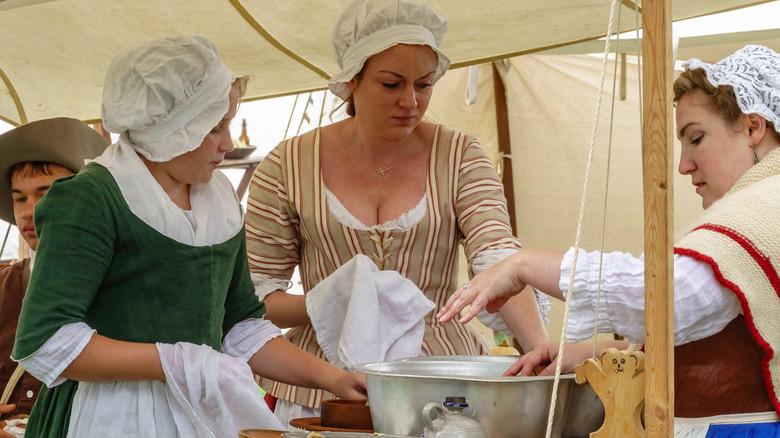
[368,370]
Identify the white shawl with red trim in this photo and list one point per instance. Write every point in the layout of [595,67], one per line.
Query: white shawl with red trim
[739,235]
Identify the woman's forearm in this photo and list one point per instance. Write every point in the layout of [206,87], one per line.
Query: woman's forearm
[521,314]
[104,360]
[494,287]
[540,268]
[286,310]
[282,361]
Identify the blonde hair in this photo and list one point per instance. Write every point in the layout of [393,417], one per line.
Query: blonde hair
[241,82]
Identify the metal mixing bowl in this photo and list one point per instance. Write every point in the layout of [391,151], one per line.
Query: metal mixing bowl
[505,406]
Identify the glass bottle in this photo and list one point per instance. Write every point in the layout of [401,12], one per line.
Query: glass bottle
[244,138]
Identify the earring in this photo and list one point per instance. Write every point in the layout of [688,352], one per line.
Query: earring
[755,156]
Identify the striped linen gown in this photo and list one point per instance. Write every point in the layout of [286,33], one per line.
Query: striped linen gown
[288,224]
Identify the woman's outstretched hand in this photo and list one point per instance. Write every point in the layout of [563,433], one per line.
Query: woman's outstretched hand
[547,352]
[489,290]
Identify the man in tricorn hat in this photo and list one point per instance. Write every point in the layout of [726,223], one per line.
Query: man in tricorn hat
[32,156]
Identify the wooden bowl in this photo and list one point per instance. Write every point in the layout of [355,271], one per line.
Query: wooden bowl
[239,153]
[314,424]
[346,414]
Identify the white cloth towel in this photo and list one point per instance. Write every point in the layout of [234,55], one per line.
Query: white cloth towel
[16,427]
[362,314]
[212,394]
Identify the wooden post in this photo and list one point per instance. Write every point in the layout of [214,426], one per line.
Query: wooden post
[504,145]
[24,250]
[657,156]
[100,129]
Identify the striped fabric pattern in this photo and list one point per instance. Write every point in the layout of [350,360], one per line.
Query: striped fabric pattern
[288,224]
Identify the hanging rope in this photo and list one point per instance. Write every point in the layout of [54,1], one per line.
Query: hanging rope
[580,220]
[606,187]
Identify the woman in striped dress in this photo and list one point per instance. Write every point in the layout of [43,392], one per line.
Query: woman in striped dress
[382,184]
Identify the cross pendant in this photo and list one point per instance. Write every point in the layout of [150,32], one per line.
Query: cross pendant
[382,171]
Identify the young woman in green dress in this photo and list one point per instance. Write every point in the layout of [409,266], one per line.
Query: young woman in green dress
[141,317]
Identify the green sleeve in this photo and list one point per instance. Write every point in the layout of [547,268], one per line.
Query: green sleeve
[76,234]
[241,302]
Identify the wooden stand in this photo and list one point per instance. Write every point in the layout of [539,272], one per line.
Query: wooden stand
[248,165]
[618,377]
[658,187]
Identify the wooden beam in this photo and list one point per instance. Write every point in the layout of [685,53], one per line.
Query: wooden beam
[504,145]
[657,156]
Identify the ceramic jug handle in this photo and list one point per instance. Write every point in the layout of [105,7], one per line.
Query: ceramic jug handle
[427,414]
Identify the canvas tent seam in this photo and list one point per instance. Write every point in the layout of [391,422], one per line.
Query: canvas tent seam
[274,42]
[16,99]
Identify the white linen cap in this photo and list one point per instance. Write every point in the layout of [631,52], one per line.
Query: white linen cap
[754,74]
[368,27]
[166,95]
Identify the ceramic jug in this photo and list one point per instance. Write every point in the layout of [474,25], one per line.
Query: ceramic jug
[450,421]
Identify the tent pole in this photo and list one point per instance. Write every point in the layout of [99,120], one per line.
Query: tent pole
[657,156]
[504,144]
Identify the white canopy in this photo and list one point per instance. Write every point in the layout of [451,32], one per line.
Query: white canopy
[54,54]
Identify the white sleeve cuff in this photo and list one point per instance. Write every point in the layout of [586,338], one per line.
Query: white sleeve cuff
[543,301]
[48,363]
[247,337]
[494,321]
[264,285]
[488,258]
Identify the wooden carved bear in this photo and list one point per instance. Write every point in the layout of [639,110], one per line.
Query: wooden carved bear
[619,380]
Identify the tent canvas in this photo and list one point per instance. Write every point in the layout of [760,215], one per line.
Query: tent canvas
[55,53]
[479,40]
[551,101]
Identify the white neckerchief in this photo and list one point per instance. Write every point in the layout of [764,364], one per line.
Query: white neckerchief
[215,206]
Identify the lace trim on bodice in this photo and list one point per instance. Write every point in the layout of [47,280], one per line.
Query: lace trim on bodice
[382,234]
[404,222]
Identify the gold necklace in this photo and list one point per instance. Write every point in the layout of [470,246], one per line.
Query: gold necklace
[383,171]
